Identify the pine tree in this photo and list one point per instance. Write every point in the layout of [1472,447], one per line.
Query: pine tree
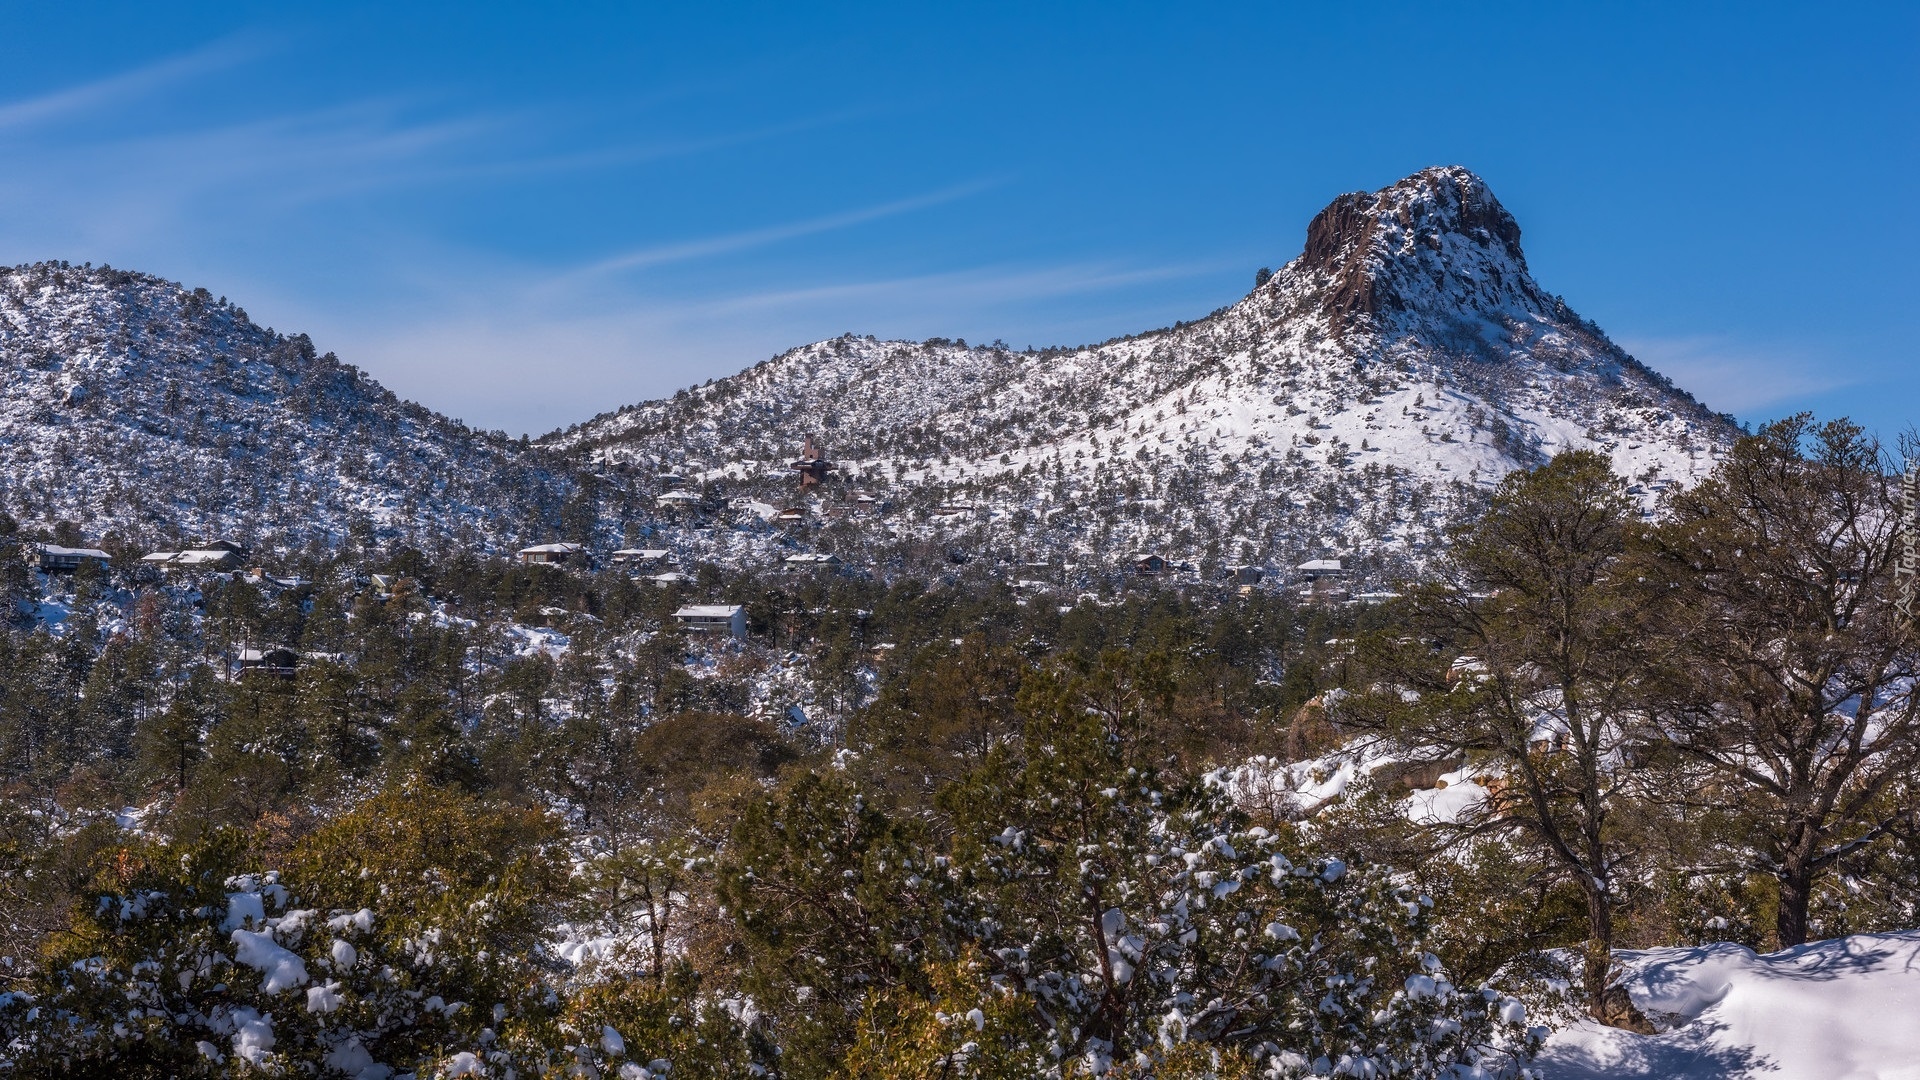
[1794,688]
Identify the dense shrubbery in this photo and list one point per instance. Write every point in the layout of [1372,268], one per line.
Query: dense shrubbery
[1007,847]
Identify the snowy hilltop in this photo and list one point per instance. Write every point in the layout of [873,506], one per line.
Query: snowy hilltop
[134,405]
[1353,404]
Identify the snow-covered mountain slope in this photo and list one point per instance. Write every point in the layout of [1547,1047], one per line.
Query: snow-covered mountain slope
[134,405]
[1352,404]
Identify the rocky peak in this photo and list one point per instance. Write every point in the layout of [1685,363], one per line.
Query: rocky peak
[1437,239]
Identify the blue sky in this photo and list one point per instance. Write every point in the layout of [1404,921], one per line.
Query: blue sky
[524,215]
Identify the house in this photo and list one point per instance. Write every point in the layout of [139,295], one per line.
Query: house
[233,546]
[671,577]
[1314,570]
[54,559]
[953,510]
[791,514]
[388,586]
[1323,580]
[678,500]
[1149,565]
[1245,575]
[274,660]
[640,557]
[729,619]
[208,559]
[211,558]
[264,580]
[668,481]
[1373,597]
[810,560]
[551,554]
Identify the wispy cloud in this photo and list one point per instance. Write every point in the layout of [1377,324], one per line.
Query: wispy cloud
[310,212]
[1734,376]
[983,285]
[115,89]
[728,243]
[626,347]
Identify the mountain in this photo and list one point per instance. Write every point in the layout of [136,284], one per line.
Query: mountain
[134,405]
[1354,404]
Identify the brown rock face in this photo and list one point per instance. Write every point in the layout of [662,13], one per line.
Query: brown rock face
[1346,226]
[1363,243]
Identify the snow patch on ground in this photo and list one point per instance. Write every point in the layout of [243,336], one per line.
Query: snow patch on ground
[1846,1009]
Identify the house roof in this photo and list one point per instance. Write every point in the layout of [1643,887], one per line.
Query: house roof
[678,496]
[1321,564]
[642,553]
[160,557]
[553,549]
[84,553]
[255,656]
[196,556]
[709,611]
[812,557]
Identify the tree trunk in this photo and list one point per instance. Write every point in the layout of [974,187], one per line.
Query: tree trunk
[1599,952]
[1796,895]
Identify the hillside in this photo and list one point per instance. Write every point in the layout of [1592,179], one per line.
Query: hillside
[1352,404]
[134,405]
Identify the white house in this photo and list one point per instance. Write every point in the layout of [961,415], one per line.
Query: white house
[550,554]
[730,619]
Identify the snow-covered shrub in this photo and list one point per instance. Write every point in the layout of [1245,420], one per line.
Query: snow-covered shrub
[1083,919]
[405,935]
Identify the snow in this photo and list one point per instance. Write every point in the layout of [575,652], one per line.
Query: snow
[252,1036]
[1280,428]
[279,969]
[361,920]
[182,414]
[1275,424]
[350,1058]
[1446,804]
[343,954]
[579,945]
[1845,1009]
[244,909]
